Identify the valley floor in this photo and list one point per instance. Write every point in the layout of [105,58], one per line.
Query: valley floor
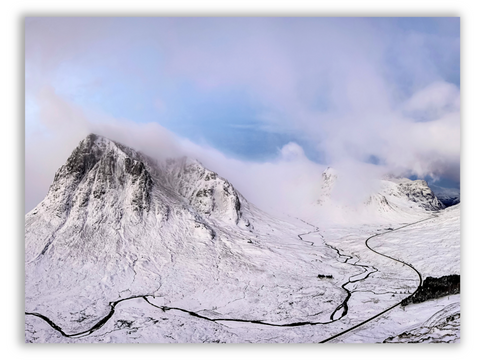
[372,284]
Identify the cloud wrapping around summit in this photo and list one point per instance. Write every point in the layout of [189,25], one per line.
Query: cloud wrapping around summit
[351,89]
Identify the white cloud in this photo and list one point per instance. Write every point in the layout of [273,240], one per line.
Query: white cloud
[328,80]
[292,151]
[280,186]
[434,101]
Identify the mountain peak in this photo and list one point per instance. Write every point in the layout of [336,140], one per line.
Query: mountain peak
[97,170]
[82,159]
[93,149]
[102,176]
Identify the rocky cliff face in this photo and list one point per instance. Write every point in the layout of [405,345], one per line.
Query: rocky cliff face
[416,192]
[95,175]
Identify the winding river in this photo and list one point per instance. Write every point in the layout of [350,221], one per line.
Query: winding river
[340,311]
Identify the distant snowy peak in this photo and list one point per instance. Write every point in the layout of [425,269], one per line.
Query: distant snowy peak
[394,195]
[329,178]
[418,192]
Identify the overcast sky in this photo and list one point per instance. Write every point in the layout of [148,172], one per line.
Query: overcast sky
[259,100]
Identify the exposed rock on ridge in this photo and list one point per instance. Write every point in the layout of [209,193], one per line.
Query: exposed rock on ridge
[93,175]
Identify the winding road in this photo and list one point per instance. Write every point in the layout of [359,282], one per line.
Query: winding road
[343,307]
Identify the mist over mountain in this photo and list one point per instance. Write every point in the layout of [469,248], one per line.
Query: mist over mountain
[118,226]
[177,189]
[359,197]
[117,223]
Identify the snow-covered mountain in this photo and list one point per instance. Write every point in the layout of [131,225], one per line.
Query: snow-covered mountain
[188,259]
[116,223]
[390,199]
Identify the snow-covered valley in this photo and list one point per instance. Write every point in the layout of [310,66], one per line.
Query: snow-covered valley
[125,248]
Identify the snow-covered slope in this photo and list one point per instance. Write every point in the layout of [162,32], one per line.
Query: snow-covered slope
[115,224]
[182,256]
[432,246]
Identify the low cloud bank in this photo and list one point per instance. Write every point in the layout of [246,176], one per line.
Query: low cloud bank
[358,89]
[283,185]
[289,184]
